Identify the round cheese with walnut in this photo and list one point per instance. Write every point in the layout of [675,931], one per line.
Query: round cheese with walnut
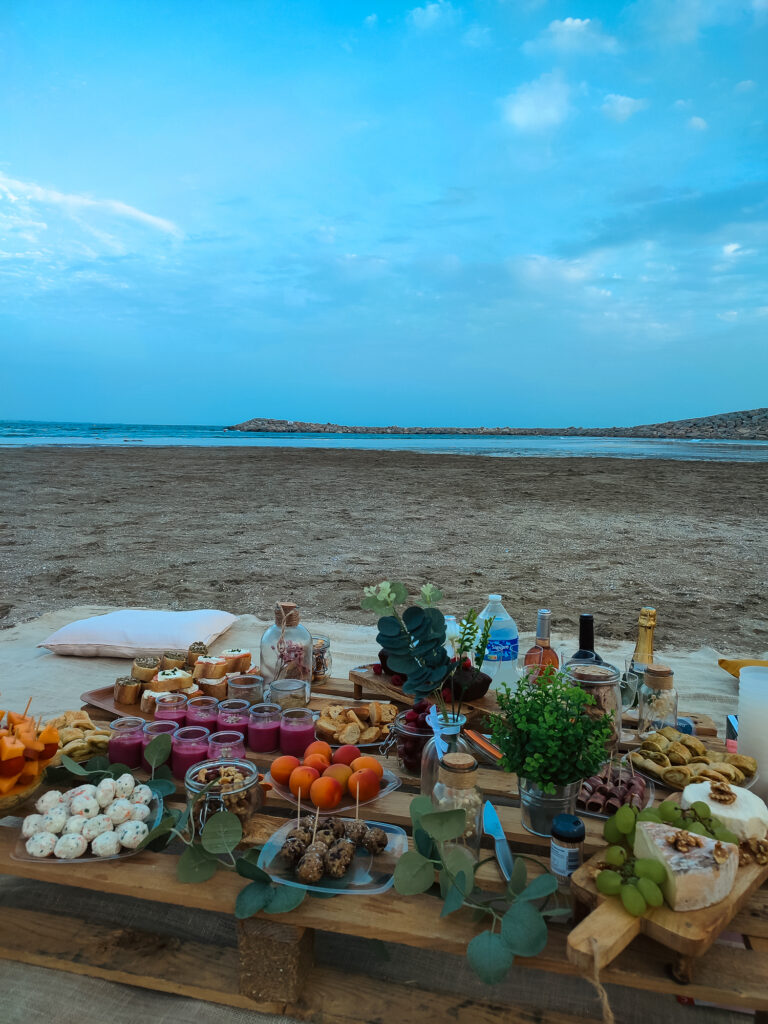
[746,815]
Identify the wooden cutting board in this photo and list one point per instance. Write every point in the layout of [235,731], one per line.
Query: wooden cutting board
[367,682]
[609,929]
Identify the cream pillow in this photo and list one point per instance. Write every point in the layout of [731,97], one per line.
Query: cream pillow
[134,631]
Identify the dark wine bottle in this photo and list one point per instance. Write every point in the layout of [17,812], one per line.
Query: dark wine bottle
[586,651]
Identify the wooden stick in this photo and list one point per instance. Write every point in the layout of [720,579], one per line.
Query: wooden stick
[26,709]
[298,810]
[317,818]
[357,803]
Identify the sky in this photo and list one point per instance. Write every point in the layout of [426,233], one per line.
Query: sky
[522,212]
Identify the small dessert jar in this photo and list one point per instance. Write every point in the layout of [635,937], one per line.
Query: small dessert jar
[171,707]
[264,728]
[289,693]
[233,786]
[246,687]
[125,741]
[203,711]
[233,715]
[189,746]
[321,659]
[149,732]
[297,731]
[228,744]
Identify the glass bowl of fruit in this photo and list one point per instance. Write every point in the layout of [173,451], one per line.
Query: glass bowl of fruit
[410,732]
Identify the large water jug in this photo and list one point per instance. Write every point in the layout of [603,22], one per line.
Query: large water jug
[501,654]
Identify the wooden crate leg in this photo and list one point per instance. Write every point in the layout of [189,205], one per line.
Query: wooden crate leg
[274,959]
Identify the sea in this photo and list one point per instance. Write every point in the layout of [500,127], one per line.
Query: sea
[22,434]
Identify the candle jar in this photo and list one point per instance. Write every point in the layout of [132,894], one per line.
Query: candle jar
[230,784]
[125,741]
[226,744]
[246,687]
[233,715]
[321,659]
[148,733]
[264,728]
[289,693]
[203,711]
[171,707]
[297,731]
[189,747]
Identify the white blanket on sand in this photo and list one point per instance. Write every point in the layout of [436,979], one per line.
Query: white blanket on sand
[56,682]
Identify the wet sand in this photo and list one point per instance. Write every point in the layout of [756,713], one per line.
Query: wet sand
[240,528]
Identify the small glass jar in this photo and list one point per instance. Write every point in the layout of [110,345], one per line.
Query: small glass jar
[233,714]
[297,731]
[566,847]
[453,742]
[229,744]
[264,728]
[148,733]
[455,789]
[409,737]
[289,693]
[246,687]
[234,786]
[657,704]
[603,682]
[321,659]
[125,741]
[171,707]
[203,711]
[286,647]
[189,746]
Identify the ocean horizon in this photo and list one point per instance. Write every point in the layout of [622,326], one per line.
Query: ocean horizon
[33,433]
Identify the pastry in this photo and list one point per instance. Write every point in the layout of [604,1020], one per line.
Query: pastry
[678,754]
[127,690]
[677,777]
[747,765]
[144,668]
[694,744]
[655,742]
[173,659]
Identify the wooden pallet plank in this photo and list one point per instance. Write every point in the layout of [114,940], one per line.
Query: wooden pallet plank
[275,959]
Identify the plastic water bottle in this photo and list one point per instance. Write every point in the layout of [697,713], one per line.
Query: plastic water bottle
[501,654]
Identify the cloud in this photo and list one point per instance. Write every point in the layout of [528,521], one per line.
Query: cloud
[681,104]
[573,35]
[746,86]
[440,14]
[477,36]
[698,124]
[620,108]
[539,105]
[13,191]
[371,21]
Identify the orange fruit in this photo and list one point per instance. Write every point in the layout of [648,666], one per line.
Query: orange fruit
[364,784]
[340,772]
[282,767]
[370,763]
[318,762]
[320,747]
[346,754]
[326,793]
[301,780]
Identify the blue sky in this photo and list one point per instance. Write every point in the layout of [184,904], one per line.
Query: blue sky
[533,213]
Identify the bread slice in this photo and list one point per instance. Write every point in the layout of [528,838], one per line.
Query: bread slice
[238,659]
[349,734]
[148,701]
[174,659]
[209,666]
[213,687]
[127,690]
[370,735]
[145,668]
[374,713]
[171,679]
[326,729]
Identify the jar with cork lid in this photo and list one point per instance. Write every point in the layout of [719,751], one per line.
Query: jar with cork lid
[286,648]
[456,789]
[657,701]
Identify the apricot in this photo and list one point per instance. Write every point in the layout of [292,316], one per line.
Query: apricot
[363,785]
[346,754]
[282,767]
[370,763]
[326,793]
[340,772]
[318,762]
[320,747]
[301,780]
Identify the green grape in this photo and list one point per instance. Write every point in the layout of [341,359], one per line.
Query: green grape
[725,836]
[611,832]
[698,828]
[701,809]
[625,819]
[650,892]
[668,810]
[608,882]
[645,867]
[633,900]
[615,856]
[649,814]
[630,839]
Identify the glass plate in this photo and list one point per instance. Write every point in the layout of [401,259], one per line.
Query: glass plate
[389,783]
[747,784]
[650,791]
[19,852]
[367,875]
[360,746]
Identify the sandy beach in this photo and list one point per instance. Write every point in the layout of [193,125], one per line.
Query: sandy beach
[239,528]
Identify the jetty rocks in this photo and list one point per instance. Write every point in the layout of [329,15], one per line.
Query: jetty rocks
[749,425]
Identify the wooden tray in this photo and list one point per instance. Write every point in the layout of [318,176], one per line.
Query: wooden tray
[367,682]
[604,933]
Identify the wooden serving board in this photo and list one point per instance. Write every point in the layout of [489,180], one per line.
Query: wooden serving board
[609,929]
[367,682]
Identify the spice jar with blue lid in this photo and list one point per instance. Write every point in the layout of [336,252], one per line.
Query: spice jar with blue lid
[566,846]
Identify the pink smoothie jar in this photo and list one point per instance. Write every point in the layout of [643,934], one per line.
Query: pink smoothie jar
[264,728]
[125,741]
[228,744]
[203,711]
[171,707]
[148,733]
[190,746]
[233,714]
[297,731]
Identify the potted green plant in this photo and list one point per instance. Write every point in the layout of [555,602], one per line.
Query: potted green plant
[550,737]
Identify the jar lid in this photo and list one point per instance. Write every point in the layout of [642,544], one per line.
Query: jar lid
[658,676]
[569,828]
[593,673]
[286,613]
[457,770]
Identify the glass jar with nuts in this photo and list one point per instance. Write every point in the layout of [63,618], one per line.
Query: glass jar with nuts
[223,786]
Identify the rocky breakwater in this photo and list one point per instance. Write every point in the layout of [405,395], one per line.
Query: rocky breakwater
[749,425]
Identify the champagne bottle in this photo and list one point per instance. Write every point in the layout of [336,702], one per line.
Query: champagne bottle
[643,656]
[586,651]
[541,653]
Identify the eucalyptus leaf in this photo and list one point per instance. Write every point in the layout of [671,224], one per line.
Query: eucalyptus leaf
[413,874]
[284,898]
[162,771]
[455,895]
[398,593]
[419,806]
[445,825]
[97,764]
[162,787]
[159,831]
[414,617]
[116,770]
[389,626]
[247,867]
[422,842]
[540,887]
[524,930]
[252,899]
[194,865]
[489,958]
[458,860]
[401,663]
[73,766]
[221,832]
[519,877]
[158,750]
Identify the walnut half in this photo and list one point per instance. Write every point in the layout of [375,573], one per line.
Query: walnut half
[721,792]
[684,841]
